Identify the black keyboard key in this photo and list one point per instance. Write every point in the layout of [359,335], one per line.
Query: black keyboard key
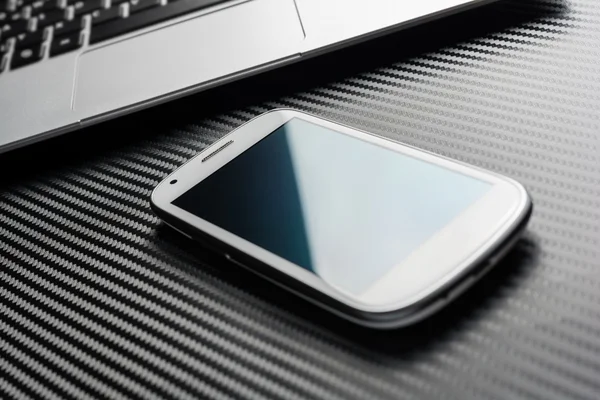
[86,7]
[50,18]
[139,5]
[9,6]
[10,18]
[41,6]
[22,3]
[3,47]
[25,56]
[64,27]
[3,63]
[3,16]
[102,16]
[148,17]
[63,44]
[3,51]
[29,39]
[13,28]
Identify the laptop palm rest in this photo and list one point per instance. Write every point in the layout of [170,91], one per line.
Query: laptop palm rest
[187,54]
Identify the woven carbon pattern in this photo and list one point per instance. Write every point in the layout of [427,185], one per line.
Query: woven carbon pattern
[98,299]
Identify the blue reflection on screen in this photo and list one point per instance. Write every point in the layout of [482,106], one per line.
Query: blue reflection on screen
[342,208]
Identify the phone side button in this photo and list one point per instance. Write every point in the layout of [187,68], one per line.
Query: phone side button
[484,269]
[180,231]
[238,263]
[461,287]
[233,260]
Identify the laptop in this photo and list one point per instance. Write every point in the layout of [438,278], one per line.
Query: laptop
[67,64]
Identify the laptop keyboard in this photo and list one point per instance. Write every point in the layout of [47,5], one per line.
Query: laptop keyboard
[30,29]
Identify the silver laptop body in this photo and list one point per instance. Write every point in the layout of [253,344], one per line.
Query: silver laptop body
[67,64]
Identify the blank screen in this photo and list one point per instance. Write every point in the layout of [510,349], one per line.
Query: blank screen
[345,209]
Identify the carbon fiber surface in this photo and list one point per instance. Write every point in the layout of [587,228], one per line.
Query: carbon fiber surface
[98,299]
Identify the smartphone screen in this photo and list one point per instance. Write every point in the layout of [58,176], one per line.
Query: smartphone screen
[347,210]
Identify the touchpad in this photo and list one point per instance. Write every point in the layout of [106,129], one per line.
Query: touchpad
[188,53]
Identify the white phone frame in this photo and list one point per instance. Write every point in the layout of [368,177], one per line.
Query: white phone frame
[447,255]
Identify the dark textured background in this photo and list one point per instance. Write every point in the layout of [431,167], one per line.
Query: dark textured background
[98,299]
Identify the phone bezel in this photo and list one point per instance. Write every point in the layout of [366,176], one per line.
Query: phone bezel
[480,228]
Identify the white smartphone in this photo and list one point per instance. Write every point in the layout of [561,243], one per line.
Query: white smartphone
[378,232]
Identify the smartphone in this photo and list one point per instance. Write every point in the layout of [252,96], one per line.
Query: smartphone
[377,232]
